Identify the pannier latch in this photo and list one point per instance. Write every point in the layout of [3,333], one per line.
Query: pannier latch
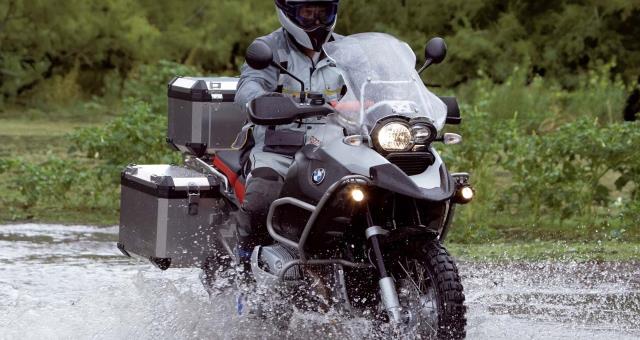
[193,198]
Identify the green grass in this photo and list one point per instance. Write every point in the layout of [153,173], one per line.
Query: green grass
[18,127]
[59,215]
[33,138]
[547,250]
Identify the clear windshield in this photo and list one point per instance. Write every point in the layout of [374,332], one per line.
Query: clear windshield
[379,72]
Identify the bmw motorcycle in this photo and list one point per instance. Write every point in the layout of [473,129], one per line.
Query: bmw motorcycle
[361,218]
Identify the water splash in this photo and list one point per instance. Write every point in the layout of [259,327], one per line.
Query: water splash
[72,282]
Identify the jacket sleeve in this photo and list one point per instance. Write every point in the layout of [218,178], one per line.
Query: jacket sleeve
[254,83]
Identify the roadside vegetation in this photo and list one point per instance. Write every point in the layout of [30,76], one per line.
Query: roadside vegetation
[543,88]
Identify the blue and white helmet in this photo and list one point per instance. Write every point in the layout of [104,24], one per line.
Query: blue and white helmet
[310,23]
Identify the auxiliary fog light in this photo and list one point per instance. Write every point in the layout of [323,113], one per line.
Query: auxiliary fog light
[464,195]
[357,195]
[467,193]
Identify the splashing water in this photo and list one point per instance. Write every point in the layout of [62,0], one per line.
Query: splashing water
[71,282]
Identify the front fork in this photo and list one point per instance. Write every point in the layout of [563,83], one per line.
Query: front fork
[388,291]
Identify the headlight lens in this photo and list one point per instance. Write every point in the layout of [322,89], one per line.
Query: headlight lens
[423,134]
[395,136]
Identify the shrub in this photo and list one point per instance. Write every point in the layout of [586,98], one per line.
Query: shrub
[546,177]
[562,172]
[137,136]
[148,83]
[56,182]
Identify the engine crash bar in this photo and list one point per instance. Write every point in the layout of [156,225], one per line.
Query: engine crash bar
[315,212]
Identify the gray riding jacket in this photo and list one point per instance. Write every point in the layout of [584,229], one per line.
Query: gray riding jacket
[317,75]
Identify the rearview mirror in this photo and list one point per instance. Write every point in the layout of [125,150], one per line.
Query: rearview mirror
[434,53]
[259,55]
[436,50]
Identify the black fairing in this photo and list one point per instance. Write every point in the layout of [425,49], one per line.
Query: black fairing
[290,221]
[298,182]
[390,177]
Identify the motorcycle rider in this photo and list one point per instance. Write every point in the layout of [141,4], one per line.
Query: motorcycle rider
[268,151]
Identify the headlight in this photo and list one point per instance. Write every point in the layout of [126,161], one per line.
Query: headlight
[395,136]
[423,133]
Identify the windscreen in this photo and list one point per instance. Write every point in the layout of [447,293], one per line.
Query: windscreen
[379,72]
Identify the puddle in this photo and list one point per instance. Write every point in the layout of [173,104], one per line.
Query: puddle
[71,282]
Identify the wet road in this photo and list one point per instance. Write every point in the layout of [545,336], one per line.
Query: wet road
[61,282]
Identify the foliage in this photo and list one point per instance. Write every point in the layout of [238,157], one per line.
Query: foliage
[562,172]
[556,39]
[62,50]
[55,182]
[542,104]
[148,83]
[137,136]
[89,183]
[535,175]
[41,41]
[542,87]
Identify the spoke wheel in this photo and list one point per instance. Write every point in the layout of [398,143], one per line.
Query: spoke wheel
[417,295]
[430,293]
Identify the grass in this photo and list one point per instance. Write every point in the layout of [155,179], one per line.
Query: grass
[59,215]
[547,251]
[33,137]
[17,127]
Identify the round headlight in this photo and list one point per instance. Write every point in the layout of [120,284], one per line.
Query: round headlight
[395,136]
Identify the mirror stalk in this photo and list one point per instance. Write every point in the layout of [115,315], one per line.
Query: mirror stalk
[303,94]
[434,53]
[425,66]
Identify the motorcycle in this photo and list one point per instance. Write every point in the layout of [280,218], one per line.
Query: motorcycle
[365,210]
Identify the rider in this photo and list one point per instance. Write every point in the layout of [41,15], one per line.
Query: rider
[297,46]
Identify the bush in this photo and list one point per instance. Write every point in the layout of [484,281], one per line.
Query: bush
[89,183]
[148,83]
[56,182]
[562,172]
[533,178]
[137,136]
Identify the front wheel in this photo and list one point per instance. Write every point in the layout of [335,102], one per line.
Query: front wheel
[430,293]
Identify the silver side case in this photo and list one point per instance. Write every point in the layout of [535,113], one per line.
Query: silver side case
[171,231]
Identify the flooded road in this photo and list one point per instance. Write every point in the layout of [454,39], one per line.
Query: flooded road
[71,282]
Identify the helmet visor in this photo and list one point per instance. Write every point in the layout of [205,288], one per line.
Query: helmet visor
[312,15]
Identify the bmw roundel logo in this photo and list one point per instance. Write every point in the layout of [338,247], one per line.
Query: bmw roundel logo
[318,175]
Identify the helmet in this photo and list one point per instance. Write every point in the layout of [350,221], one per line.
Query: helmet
[309,22]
